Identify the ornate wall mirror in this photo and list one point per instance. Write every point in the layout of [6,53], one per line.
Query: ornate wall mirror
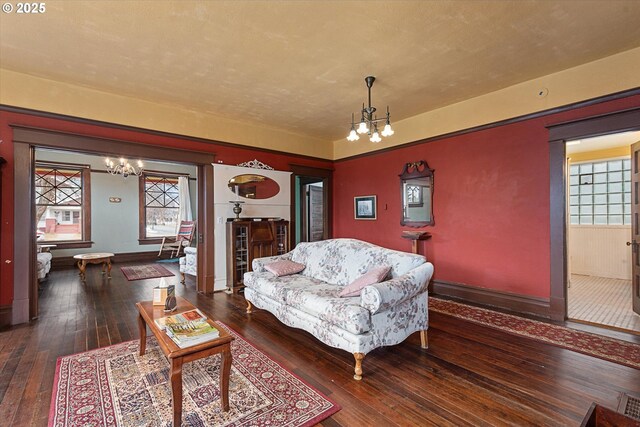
[253,186]
[416,186]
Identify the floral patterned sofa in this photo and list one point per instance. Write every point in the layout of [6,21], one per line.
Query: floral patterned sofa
[188,263]
[384,314]
[43,264]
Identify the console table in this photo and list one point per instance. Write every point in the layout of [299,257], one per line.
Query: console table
[414,236]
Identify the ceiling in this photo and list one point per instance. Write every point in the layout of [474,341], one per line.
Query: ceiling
[596,143]
[300,65]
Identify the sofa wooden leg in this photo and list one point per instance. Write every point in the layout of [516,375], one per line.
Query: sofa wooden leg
[358,369]
[183,280]
[249,307]
[424,339]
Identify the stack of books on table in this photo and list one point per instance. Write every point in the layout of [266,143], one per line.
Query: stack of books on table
[188,328]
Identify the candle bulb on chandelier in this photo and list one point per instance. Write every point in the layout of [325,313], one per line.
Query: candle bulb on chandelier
[353,135]
[362,127]
[387,131]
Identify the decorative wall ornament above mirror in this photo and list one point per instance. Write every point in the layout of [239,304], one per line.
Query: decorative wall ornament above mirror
[416,189]
[253,186]
[255,164]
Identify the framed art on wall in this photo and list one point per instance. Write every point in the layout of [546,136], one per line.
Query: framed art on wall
[364,207]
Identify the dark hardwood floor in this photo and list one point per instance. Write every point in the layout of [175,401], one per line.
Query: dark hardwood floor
[470,375]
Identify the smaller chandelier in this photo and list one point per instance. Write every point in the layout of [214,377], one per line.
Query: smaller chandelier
[123,168]
[369,121]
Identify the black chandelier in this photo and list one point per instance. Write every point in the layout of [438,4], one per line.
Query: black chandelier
[369,121]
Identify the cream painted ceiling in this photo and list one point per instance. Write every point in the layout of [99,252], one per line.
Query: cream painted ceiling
[300,66]
[614,140]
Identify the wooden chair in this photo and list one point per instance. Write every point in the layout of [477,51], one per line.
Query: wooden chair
[183,238]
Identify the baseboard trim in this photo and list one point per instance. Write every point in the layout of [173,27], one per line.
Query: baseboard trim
[62,263]
[489,297]
[5,316]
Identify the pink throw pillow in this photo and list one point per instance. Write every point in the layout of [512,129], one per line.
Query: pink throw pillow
[375,275]
[284,267]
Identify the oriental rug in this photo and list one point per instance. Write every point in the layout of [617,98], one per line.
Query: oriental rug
[148,271]
[114,386]
[611,349]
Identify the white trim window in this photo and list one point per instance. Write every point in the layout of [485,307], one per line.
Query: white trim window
[160,199]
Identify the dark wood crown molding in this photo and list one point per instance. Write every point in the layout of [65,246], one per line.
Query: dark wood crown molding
[601,124]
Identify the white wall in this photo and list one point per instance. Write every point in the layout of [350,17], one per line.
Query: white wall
[600,250]
[277,206]
[114,226]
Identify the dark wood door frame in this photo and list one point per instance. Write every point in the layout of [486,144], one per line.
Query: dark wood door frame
[635,230]
[27,139]
[5,310]
[326,175]
[304,211]
[24,306]
[559,134]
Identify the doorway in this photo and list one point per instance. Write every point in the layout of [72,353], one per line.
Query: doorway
[599,227]
[310,204]
[559,134]
[26,140]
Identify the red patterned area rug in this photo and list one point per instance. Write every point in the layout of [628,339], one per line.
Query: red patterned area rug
[114,386]
[148,271]
[606,348]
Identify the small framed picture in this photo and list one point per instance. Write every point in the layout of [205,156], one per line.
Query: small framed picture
[364,207]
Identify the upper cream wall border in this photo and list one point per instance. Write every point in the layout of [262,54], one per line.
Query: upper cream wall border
[602,77]
[605,76]
[22,90]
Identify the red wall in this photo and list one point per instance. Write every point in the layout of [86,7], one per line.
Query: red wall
[491,196]
[491,202]
[228,155]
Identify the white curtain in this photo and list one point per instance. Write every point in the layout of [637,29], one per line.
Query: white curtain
[185,201]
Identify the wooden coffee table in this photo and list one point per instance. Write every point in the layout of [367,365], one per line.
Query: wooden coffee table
[103,258]
[178,356]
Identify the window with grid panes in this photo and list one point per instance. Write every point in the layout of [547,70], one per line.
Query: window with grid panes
[600,192]
[161,201]
[61,205]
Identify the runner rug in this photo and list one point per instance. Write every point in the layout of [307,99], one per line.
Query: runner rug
[114,386]
[149,271]
[606,348]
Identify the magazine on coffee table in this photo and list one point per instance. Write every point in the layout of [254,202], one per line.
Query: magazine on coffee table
[184,317]
[191,333]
